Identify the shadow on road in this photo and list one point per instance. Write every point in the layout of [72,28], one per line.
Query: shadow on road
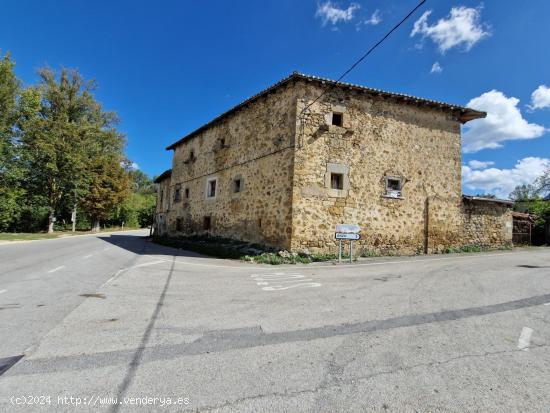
[143,245]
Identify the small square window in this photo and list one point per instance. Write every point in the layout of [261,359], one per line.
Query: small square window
[337,181]
[337,119]
[237,185]
[393,187]
[207,223]
[211,188]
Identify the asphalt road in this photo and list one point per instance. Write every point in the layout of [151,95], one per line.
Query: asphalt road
[116,323]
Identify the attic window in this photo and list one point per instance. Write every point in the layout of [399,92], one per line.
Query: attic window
[393,187]
[337,119]
[337,181]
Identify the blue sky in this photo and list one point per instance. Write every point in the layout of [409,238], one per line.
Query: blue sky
[168,67]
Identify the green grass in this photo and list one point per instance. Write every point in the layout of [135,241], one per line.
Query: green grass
[475,248]
[26,236]
[33,236]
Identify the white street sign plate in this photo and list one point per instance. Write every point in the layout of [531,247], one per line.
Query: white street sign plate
[343,235]
[348,228]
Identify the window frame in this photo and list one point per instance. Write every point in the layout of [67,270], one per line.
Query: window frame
[390,192]
[208,187]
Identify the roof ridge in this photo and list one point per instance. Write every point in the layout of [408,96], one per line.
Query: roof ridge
[467,113]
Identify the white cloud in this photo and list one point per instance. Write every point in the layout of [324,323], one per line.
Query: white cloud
[461,28]
[503,181]
[436,68]
[134,166]
[374,19]
[329,12]
[504,122]
[480,164]
[540,98]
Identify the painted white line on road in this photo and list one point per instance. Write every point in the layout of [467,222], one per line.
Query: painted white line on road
[88,256]
[57,269]
[145,264]
[3,291]
[281,281]
[546,304]
[525,338]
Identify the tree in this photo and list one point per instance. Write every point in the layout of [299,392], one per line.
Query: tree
[523,193]
[68,141]
[10,172]
[109,186]
[543,183]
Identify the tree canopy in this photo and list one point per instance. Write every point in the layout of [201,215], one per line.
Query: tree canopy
[60,150]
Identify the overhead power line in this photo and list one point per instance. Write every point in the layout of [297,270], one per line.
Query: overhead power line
[358,61]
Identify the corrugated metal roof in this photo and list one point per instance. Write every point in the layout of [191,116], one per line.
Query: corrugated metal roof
[466,114]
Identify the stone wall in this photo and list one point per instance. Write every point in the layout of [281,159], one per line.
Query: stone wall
[162,207]
[253,145]
[487,223]
[379,138]
[286,163]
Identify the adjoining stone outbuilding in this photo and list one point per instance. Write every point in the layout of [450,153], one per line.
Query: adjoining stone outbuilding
[286,165]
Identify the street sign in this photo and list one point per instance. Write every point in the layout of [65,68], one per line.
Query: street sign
[348,228]
[342,235]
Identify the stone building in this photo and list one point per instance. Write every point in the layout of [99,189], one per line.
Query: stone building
[286,165]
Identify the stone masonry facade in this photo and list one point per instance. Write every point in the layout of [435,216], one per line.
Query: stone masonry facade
[287,165]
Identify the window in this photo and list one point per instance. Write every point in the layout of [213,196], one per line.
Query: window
[187,193]
[179,224]
[207,222]
[337,119]
[237,185]
[336,181]
[177,193]
[393,187]
[211,187]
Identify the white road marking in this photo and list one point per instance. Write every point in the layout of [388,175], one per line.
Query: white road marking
[145,264]
[525,338]
[546,304]
[3,291]
[57,269]
[88,256]
[281,281]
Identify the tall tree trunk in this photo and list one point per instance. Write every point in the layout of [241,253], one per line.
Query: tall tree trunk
[96,227]
[51,220]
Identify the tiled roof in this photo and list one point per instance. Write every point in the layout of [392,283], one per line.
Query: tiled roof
[465,114]
[482,199]
[166,174]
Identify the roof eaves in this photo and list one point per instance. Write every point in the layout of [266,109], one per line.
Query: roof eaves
[166,174]
[465,114]
[483,199]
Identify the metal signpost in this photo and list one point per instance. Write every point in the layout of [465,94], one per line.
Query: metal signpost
[348,232]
